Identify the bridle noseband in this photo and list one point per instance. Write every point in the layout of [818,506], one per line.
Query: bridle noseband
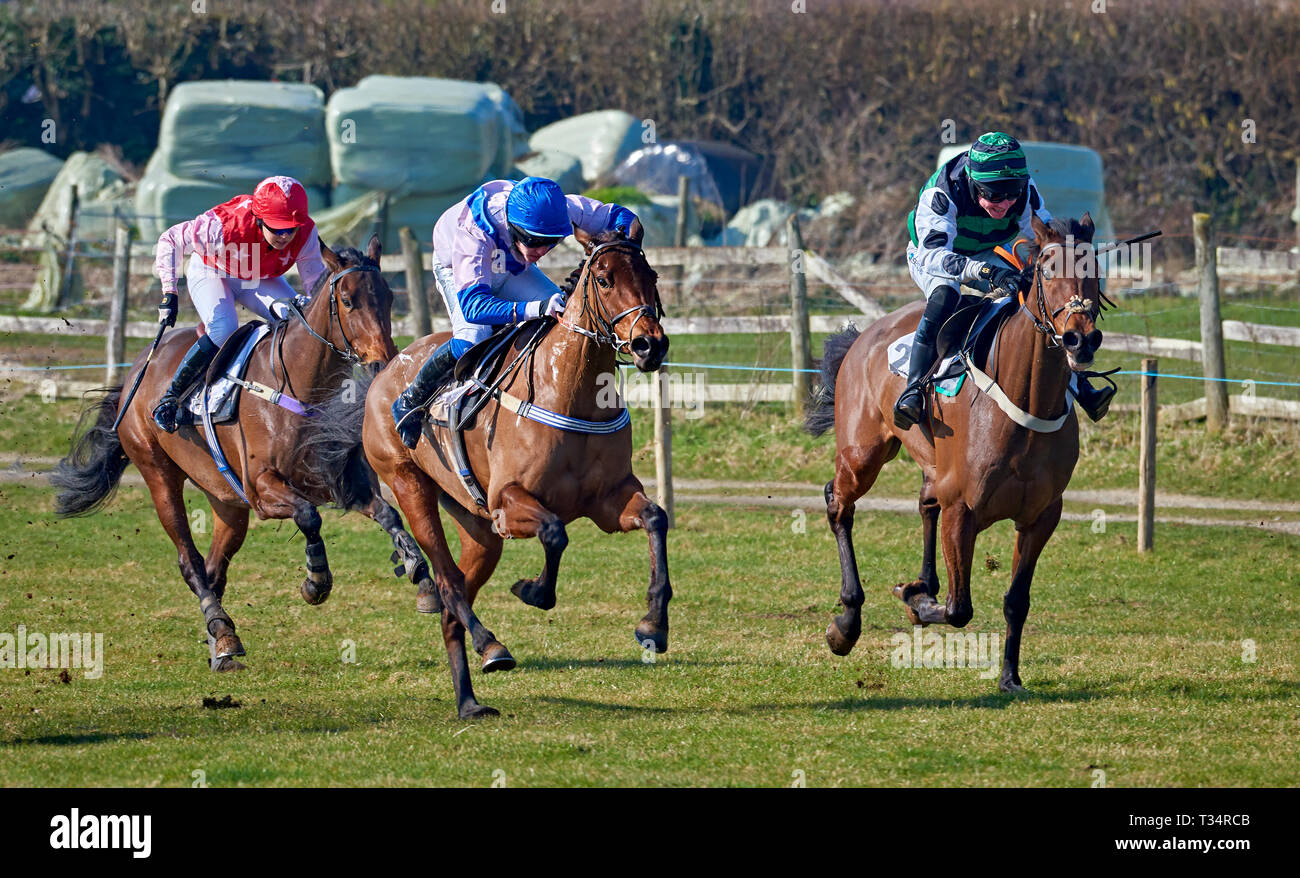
[605,332]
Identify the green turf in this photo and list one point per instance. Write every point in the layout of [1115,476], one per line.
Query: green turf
[1135,663]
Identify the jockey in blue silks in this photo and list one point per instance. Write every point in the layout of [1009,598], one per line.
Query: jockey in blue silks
[485,251]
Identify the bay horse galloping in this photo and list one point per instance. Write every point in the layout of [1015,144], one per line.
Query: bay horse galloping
[346,321]
[565,453]
[978,465]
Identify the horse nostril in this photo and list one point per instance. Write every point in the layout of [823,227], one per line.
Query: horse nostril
[1094,339]
[1071,340]
[641,346]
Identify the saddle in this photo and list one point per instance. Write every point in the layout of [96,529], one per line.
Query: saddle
[223,395]
[967,335]
[472,387]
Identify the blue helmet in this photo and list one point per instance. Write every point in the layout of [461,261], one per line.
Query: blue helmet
[537,207]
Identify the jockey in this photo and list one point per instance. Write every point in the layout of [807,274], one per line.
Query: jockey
[485,251]
[239,252]
[979,200]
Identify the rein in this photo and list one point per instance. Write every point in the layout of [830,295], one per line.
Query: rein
[606,331]
[350,355]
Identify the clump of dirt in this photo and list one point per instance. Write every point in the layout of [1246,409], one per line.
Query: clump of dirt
[226,702]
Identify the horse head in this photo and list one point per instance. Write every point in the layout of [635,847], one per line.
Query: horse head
[1065,297]
[616,287]
[360,304]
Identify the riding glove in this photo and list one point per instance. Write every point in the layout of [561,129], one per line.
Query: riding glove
[168,309]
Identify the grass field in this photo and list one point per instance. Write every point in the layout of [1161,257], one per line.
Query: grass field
[1135,664]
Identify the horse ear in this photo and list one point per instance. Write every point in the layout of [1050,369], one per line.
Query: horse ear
[583,238]
[1086,226]
[332,261]
[374,248]
[1041,231]
[635,232]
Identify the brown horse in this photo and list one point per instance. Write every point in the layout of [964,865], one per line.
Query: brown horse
[978,465]
[346,321]
[537,478]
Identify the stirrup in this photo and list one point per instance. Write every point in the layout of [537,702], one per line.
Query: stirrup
[1100,396]
[165,412]
[903,417]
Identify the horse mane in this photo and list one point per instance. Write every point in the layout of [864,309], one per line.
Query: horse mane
[609,236]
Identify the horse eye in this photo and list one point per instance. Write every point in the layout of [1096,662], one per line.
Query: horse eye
[347,302]
[604,282]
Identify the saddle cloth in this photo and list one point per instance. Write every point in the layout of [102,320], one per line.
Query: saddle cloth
[223,400]
[900,355]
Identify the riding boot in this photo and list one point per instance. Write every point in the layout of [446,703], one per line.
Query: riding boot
[196,359]
[408,408]
[911,404]
[1093,400]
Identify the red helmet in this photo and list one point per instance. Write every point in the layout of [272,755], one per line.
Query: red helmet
[280,202]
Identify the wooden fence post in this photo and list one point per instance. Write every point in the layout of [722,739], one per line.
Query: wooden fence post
[1147,458]
[800,336]
[1207,286]
[65,288]
[421,324]
[116,347]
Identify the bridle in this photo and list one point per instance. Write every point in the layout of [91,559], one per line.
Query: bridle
[1043,321]
[606,332]
[350,355]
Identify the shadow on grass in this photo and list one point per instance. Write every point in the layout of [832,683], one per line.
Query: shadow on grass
[84,738]
[563,664]
[990,701]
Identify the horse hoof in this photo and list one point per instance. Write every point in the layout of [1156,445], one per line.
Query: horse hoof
[839,643]
[497,658]
[478,711]
[226,646]
[226,663]
[1012,686]
[315,594]
[428,601]
[651,636]
[528,591]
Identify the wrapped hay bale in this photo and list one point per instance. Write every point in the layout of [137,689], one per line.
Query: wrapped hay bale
[25,175]
[561,167]
[421,135]
[100,191]
[600,140]
[241,131]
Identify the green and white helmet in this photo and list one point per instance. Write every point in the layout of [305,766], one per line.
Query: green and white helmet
[996,166]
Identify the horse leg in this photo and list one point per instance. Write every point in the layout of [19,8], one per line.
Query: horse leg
[1030,541]
[856,469]
[958,531]
[276,498]
[228,534]
[407,555]
[417,494]
[626,510]
[918,596]
[165,486]
[522,515]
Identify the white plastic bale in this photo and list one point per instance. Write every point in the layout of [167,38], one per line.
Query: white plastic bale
[600,140]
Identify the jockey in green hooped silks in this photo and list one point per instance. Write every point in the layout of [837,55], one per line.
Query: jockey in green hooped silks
[979,200]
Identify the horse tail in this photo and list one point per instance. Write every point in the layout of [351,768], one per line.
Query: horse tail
[331,443]
[88,477]
[821,417]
